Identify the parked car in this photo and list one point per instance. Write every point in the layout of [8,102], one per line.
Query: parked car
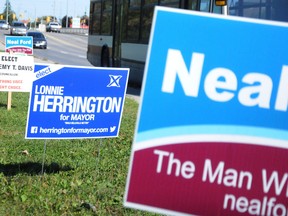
[39,39]
[18,28]
[53,27]
[4,24]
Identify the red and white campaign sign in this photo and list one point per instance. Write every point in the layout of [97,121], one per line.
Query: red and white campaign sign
[212,133]
[16,72]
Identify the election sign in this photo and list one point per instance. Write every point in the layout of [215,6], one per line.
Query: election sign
[212,132]
[19,44]
[16,72]
[76,102]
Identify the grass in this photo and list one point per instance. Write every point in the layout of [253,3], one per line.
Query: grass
[78,179]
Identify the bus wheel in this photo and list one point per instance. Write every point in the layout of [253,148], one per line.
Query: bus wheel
[105,56]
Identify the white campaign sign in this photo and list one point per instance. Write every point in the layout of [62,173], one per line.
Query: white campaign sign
[16,72]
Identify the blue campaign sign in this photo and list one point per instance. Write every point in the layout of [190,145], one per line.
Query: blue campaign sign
[214,77]
[19,44]
[213,117]
[76,102]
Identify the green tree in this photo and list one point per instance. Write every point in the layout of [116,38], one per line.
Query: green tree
[85,20]
[64,21]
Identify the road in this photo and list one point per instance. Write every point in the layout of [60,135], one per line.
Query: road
[66,49]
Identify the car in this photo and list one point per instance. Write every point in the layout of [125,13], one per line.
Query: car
[18,28]
[39,39]
[53,27]
[4,24]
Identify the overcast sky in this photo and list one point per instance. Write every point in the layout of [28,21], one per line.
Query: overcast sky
[38,8]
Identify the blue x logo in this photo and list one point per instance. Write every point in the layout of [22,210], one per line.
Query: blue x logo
[114,81]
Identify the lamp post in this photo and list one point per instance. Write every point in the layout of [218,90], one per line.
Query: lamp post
[7,11]
[35,17]
[54,11]
[67,14]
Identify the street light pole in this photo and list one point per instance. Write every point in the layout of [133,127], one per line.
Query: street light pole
[7,11]
[35,18]
[54,11]
[67,14]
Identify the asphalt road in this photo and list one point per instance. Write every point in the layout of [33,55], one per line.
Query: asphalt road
[65,49]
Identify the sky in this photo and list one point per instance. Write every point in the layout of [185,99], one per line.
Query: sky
[38,8]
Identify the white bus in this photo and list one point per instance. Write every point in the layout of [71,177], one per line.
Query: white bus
[119,30]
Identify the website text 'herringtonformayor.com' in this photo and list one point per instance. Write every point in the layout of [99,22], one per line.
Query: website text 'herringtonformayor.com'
[62,130]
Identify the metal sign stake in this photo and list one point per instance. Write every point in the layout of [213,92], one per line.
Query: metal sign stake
[43,158]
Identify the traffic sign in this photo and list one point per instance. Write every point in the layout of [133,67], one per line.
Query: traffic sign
[19,44]
[68,102]
[212,132]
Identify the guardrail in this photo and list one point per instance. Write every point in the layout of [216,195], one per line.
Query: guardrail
[79,31]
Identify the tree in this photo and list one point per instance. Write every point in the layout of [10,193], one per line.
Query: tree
[64,21]
[85,20]
[47,19]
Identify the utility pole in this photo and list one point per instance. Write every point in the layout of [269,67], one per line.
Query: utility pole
[35,17]
[54,11]
[67,14]
[7,11]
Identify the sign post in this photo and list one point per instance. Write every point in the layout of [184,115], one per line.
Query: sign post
[9,100]
[212,132]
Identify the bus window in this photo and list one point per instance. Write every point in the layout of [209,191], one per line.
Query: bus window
[95,14]
[106,17]
[192,5]
[148,10]
[169,3]
[147,14]
[133,24]
[101,13]
[135,3]
[260,9]
[206,4]
[151,1]
[280,12]
[217,9]
[250,8]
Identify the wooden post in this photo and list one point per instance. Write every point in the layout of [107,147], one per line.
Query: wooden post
[9,100]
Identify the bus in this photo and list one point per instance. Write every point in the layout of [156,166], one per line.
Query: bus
[119,30]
